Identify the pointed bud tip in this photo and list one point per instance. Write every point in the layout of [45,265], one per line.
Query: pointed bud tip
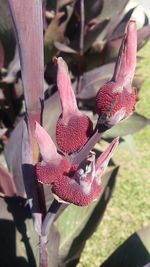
[131,27]
[46,145]
[58,61]
[115,142]
[38,130]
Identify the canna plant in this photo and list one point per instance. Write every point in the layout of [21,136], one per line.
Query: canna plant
[55,172]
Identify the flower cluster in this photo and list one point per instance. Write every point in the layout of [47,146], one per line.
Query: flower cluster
[80,183]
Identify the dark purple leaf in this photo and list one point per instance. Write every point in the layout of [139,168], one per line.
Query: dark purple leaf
[13,158]
[6,31]
[13,148]
[129,126]
[1,55]
[143,35]
[91,35]
[120,29]
[50,118]
[112,49]
[19,240]
[28,23]
[115,14]
[67,6]
[135,251]
[92,11]
[146,20]
[92,81]
[7,185]
[29,177]
[64,48]
[13,69]
[27,16]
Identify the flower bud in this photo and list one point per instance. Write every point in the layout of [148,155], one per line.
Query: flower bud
[73,127]
[116,99]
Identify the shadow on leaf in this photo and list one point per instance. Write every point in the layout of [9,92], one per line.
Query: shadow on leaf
[134,252]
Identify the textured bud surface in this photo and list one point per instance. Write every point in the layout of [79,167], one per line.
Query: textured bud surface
[70,191]
[72,135]
[110,101]
[47,174]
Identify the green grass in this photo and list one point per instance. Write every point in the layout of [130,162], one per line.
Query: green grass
[129,208]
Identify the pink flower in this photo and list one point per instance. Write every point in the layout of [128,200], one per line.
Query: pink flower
[79,184]
[116,99]
[73,127]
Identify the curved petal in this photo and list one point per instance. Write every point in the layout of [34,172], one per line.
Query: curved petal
[67,96]
[126,63]
[103,160]
[47,147]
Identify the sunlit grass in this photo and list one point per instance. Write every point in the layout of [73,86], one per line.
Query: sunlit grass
[129,208]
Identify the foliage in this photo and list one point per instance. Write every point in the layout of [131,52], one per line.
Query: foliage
[88,39]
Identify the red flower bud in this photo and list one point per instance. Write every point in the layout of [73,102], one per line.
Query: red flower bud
[117,98]
[77,184]
[73,127]
[52,164]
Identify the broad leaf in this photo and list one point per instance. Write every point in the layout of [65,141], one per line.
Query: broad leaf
[13,68]
[13,158]
[64,48]
[91,81]
[129,126]
[143,35]
[114,14]
[19,240]
[92,11]
[6,31]
[68,7]
[27,16]
[53,246]
[120,29]
[76,224]
[112,49]
[13,148]
[1,55]
[53,34]
[92,35]
[52,111]
[30,43]
[135,251]
[7,185]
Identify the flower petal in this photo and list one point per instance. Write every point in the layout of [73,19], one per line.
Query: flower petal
[67,96]
[46,145]
[126,63]
[103,160]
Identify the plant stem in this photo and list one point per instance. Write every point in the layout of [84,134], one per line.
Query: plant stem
[82,27]
[43,251]
[78,157]
[50,217]
[81,45]
[48,220]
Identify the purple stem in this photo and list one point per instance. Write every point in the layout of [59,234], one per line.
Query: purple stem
[82,26]
[78,157]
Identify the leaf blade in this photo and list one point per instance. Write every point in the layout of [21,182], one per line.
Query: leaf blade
[129,126]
